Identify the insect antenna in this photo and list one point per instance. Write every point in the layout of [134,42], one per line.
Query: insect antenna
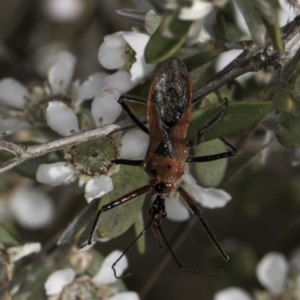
[178,263]
[126,250]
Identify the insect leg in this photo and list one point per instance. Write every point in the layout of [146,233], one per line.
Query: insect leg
[126,250]
[178,263]
[206,126]
[214,156]
[128,162]
[131,114]
[193,207]
[111,205]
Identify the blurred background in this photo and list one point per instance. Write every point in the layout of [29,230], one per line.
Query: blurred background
[262,216]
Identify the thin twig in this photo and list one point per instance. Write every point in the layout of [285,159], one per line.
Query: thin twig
[23,153]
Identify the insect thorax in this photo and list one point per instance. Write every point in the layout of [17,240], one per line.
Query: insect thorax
[164,172]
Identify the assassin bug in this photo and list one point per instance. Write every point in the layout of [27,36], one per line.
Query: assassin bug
[168,112]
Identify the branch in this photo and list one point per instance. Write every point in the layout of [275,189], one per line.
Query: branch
[265,58]
[23,153]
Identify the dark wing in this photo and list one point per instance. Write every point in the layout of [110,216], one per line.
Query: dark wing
[169,99]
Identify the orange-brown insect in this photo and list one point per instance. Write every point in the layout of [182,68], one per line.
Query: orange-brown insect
[168,111]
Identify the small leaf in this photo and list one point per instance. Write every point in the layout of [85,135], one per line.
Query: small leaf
[117,220]
[167,39]
[210,174]
[286,127]
[284,102]
[236,116]
[138,228]
[253,20]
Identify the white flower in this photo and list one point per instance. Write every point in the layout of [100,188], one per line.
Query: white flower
[28,105]
[61,73]
[16,95]
[112,55]
[272,272]
[59,280]
[32,208]
[232,293]
[207,197]
[62,119]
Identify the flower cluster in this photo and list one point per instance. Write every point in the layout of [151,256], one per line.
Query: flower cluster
[66,284]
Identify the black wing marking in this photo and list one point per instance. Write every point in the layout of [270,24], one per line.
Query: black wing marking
[170,100]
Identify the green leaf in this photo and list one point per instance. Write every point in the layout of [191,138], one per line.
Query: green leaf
[117,220]
[138,228]
[237,116]
[167,39]
[253,20]
[210,174]
[286,127]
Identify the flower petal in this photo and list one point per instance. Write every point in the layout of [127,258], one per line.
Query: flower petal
[54,174]
[213,198]
[13,93]
[111,51]
[62,118]
[90,88]
[58,280]
[97,187]
[137,41]
[120,81]
[125,296]
[176,210]
[105,108]
[208,197]
[32,208]
[272,272]
[198,10]
[16,253]
[140,69]
[232,293]
[134,144]
[61,73]
[105,274]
